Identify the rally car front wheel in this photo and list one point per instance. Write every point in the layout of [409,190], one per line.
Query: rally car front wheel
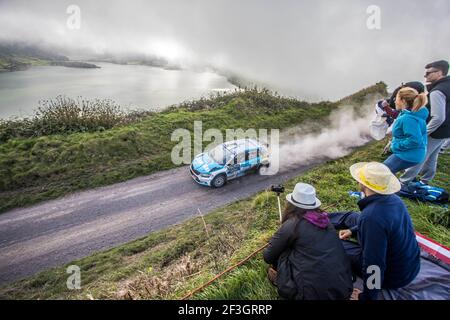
[262,169]
[219,181]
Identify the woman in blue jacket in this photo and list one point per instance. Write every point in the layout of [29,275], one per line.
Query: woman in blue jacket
[409,142]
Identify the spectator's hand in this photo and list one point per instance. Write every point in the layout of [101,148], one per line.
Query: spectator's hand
[355,294]
[345,234]
[385,104]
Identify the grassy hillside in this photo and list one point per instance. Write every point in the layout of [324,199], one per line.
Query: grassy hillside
[170,263]
[38,168]
[15,63]
[20,56]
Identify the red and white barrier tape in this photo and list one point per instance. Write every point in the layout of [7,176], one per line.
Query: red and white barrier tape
[434,248]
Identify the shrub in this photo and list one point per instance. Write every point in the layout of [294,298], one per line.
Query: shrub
[64,115]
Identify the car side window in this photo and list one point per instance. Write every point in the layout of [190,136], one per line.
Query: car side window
[252,154]
[240,158]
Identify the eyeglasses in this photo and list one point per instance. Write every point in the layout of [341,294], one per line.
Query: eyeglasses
[430,72]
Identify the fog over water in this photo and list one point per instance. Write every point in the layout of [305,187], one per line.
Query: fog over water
[133,87]
[309,49]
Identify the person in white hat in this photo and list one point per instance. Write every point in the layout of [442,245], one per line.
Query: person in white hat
[308,259]
[384,230]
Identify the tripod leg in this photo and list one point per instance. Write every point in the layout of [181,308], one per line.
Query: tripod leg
[279,207]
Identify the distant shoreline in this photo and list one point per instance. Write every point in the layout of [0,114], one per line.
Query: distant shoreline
[74,64]
[13,66]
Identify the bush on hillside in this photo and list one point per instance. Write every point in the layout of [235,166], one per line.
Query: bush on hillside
[64,115]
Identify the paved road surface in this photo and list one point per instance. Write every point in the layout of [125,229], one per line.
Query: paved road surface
[58,231]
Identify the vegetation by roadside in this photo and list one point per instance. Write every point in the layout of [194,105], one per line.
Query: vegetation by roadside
[170,263]
[65,116]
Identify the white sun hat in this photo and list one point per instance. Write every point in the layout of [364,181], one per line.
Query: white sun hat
[304,196]
[375,176]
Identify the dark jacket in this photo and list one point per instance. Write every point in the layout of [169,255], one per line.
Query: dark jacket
[311,262]
[443,85]
[387,239]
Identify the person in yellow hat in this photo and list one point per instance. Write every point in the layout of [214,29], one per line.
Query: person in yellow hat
[387,254]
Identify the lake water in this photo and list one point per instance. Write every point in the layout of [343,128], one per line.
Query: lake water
[131,86]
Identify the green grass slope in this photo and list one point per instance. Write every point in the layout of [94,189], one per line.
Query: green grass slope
[41,168]
[170,263]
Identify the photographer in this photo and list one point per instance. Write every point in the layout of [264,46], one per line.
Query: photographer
[409,133]
[309,260]
[388,106]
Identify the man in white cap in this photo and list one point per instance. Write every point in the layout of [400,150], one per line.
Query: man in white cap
[387,250]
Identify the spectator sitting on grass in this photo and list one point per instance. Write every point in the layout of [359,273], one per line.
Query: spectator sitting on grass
[385,233]
[309,260]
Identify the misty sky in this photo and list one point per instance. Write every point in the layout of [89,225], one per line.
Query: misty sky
[310,49]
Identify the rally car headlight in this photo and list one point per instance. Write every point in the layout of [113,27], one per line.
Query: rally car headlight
[205,175]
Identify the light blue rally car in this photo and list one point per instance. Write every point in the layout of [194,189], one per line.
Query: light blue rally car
[229,160]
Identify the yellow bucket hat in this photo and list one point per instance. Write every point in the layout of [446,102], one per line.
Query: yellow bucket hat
[375,176]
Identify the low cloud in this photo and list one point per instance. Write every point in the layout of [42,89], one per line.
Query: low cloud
[309,49]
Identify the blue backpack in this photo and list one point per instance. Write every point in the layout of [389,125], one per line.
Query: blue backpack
[423,192]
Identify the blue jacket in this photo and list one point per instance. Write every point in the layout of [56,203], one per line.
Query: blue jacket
[409,134]
[386,235]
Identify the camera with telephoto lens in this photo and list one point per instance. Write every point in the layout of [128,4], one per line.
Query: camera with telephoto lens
[278,189]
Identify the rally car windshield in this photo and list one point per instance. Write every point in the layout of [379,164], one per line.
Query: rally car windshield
[220,154]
